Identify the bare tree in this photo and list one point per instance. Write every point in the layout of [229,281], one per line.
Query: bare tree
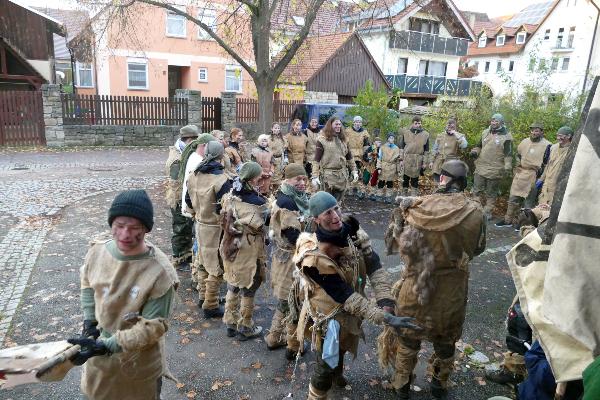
[244,31]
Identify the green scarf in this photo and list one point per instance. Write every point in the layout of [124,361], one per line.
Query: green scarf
[300,198]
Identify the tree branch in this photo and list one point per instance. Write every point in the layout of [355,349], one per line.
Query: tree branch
[232,52]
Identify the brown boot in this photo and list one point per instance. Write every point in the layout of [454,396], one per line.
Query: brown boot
[246,328]
[511,213]
[276,337]
[211,297]
[293,345]
[316,394]
[232,315]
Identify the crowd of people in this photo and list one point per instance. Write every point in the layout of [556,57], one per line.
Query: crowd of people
[232,204]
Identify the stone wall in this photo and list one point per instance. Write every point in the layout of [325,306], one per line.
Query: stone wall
[320,97]
[58,134]
[228,111]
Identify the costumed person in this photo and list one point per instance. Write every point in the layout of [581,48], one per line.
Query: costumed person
[388,169]
[264,157]
[278,147]
[493,156]
[371,158]
[234,150]
[312,133]
[206,186]
[127,291]
[414,143]
[220,136]
[182,227]
[333,160]
[296,143]
[289,216]
[530,161]
[446,147]
[359,142]
[243,218]
[436,236]
[334,264]
[558,155]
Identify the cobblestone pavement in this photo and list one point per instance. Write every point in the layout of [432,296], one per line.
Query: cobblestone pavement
[50,210]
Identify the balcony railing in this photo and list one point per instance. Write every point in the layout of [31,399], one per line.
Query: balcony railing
[436,85]
[428,43]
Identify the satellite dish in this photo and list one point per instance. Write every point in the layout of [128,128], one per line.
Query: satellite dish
[60,76]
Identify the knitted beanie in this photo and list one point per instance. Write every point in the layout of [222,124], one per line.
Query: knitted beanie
[565,130]
[498,117]
[293,170]
[205,138]
[188,131]
[132,203]
[250,170]
[321,202]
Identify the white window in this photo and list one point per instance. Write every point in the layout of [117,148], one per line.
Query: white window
[482,41]
[571,37]
[500,40]
[487,67]
[554,65]
[511,66]
[202,74]
[176,24]
[85,75]
[521,37]
[565,64]
[208,17]
[233,79]
[432,68]
[547,34]
[298,20]
[498,67]
[137,75]
[402,63]
[559,38]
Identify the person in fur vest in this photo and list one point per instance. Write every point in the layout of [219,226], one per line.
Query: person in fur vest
[436,236]
[334,264]
[264,157]
[127,290]
[289,216]
[244,214]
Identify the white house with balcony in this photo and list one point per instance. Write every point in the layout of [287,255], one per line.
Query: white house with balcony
[418,45]
[550,44]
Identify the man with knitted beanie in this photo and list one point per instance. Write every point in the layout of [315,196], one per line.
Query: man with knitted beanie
[181,238]
[334,263]
[289,215]
[242,249]
[207,185]
[127,289]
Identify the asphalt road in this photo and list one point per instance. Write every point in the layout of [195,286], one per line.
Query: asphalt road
[207,364]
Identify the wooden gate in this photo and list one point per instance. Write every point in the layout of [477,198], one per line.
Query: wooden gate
[211,113]
[21,118]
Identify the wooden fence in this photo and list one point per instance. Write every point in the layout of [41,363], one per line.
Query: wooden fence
[247,109]
[123,110]
[211,113]
[21,118]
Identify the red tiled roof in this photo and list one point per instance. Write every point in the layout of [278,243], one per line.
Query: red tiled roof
[327,21]
[314,52]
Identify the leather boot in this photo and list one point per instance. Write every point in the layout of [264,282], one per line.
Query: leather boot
[246,328]
[316,394]
[232,314]
[275,339]
[211,297]
[293,345]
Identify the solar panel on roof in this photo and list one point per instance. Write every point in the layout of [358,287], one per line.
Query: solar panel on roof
[532,14]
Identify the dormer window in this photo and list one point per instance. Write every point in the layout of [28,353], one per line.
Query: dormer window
[500,40]
[482,41]
[521,37]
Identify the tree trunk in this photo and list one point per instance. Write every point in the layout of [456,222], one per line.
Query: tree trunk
[265,88]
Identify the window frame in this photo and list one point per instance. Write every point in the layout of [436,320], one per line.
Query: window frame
[77,76]
[482,39]
[405,59]
[205,80]
[523,35]
[560,37]
[145,64]
[562,66]
[554,64]
[172,14]
[202,34]
[547,34]
[428,67]
[503,37]
[486,68]
[499,66]
[241,82]
[511,65]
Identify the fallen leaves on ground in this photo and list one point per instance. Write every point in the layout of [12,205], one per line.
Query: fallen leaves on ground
[219,384]
[257,365]
[480,380]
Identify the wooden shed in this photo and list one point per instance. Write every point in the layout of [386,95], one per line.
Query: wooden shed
[338,63]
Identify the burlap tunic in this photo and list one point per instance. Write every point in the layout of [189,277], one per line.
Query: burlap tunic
[311,145]
[333,167]
[203,189]
[491,160]
[174,188]
[532,157]
[388,162]
[122,287]
[251,255]
[413,154]
[277,144]
[558,155]
[282,263]
[318,307]
[453,231]
[448,149]
[296,145]
[356,142]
